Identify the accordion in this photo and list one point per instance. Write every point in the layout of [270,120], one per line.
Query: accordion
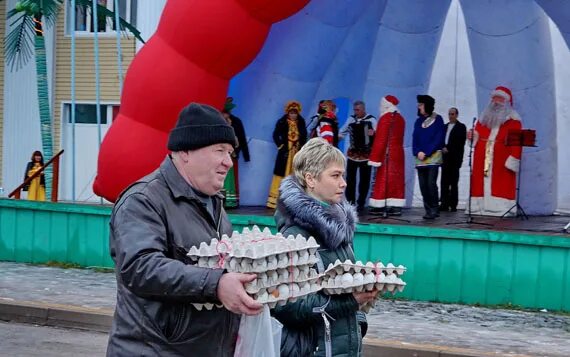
[359,134]
[360,141]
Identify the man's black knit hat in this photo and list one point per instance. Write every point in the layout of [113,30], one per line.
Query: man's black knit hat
[200,125]
[428,102]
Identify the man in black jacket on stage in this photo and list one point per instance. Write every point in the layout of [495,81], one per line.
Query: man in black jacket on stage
[452,159]
[237,124]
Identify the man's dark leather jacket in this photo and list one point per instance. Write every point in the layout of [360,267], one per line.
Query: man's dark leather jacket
[153,225]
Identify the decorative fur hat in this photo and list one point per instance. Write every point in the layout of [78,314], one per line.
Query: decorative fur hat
[293,105]
[428,102]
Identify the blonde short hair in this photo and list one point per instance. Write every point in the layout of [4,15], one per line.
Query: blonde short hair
[314,158]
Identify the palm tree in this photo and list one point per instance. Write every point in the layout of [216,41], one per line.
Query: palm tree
[26,40]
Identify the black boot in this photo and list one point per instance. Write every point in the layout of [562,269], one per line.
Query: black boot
[429,216]
[395,211]
[376,211]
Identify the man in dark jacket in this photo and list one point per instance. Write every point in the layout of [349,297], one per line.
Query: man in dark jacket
[238,129]
[231,186]
[455,136]
[360,128]
[153,225]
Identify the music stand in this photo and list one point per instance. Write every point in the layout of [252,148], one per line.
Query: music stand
[470,219]
[385,214]
[520,138]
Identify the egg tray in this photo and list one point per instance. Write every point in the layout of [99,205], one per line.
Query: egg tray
[260,265]
[207,306]
[381,287]
[358,282]
[212,249]
[272,245]
[348,266]
[282,276]
[253,244]
[254,231]
[281,294]
[309,282]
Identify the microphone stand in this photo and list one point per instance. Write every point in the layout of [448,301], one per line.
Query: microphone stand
[385,214]
[469,214]
[519,210]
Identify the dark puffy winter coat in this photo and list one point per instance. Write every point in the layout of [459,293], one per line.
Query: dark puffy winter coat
[153,225]
[242,139]
[333,227]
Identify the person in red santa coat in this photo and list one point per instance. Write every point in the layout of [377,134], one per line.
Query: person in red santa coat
[388,156]
[495,165]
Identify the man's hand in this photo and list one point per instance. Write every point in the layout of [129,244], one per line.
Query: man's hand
[444,150]
[470,134]
[365,296]
[233,296]
[421,156]
[370,132]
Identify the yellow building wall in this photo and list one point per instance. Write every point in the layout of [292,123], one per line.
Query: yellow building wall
[3,5]
[85,70]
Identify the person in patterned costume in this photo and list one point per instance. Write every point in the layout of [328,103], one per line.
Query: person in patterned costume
[289,135]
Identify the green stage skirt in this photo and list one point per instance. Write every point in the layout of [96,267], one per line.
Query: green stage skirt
[230,190]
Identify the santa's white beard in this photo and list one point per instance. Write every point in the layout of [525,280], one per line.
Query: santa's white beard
[494,115]
[384,107]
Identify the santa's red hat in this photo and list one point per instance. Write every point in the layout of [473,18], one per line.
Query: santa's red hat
[388,104]
[504,92]
[392,99]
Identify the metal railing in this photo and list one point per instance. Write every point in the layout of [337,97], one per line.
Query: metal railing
[54,183]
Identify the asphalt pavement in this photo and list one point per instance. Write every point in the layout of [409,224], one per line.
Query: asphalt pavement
[45,341]
[85,299]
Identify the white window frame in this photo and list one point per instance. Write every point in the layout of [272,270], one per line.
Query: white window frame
[64,120]
[109,32]
[65,112]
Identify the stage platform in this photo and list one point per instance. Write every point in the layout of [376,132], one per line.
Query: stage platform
[509,261]
[413,216]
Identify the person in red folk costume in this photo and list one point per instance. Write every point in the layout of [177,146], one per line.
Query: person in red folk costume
[388,156]
[327,126]
[495,165]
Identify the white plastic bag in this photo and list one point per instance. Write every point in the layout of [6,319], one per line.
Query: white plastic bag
[259,336]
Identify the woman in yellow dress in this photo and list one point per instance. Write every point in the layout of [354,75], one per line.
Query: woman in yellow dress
[37,187]
[290,134]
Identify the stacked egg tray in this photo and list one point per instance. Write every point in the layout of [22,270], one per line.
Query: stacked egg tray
[347,277]
[283,265]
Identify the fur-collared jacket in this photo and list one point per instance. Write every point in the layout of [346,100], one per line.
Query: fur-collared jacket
[333,227]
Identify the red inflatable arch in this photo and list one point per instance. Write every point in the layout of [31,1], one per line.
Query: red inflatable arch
[198,47]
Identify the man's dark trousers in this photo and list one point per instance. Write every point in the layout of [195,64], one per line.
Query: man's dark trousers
[364,184]
[427,178]
[449,186]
